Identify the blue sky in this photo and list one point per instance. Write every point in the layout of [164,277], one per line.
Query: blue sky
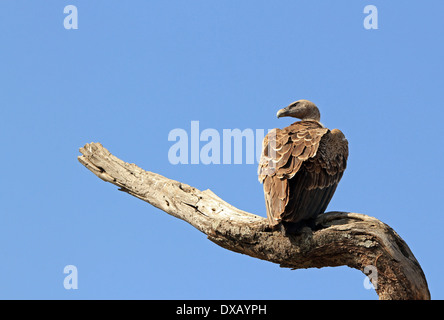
[135,70]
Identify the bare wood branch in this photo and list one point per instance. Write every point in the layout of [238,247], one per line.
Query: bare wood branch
[343,238]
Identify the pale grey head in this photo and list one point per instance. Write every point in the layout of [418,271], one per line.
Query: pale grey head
[301,109]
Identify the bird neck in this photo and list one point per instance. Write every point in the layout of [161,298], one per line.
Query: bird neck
[312,120]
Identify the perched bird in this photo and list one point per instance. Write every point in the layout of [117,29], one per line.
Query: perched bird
[300,167]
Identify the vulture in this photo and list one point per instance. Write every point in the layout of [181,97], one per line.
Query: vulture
[300,167]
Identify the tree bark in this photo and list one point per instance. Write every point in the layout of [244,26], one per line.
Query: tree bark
[341,238]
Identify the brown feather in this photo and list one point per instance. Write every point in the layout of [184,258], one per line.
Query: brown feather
[300,167]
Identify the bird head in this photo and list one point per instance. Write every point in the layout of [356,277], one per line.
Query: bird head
[301,109]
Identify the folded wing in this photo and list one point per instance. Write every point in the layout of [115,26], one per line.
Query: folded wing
[300,168]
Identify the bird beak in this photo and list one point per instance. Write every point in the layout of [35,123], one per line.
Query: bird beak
[282,113]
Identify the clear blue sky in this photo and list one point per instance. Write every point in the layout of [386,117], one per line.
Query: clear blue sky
[135,70]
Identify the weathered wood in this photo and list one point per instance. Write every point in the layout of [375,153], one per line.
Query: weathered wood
[342,238]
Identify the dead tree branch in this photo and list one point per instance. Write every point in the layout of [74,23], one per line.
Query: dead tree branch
[343,238]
